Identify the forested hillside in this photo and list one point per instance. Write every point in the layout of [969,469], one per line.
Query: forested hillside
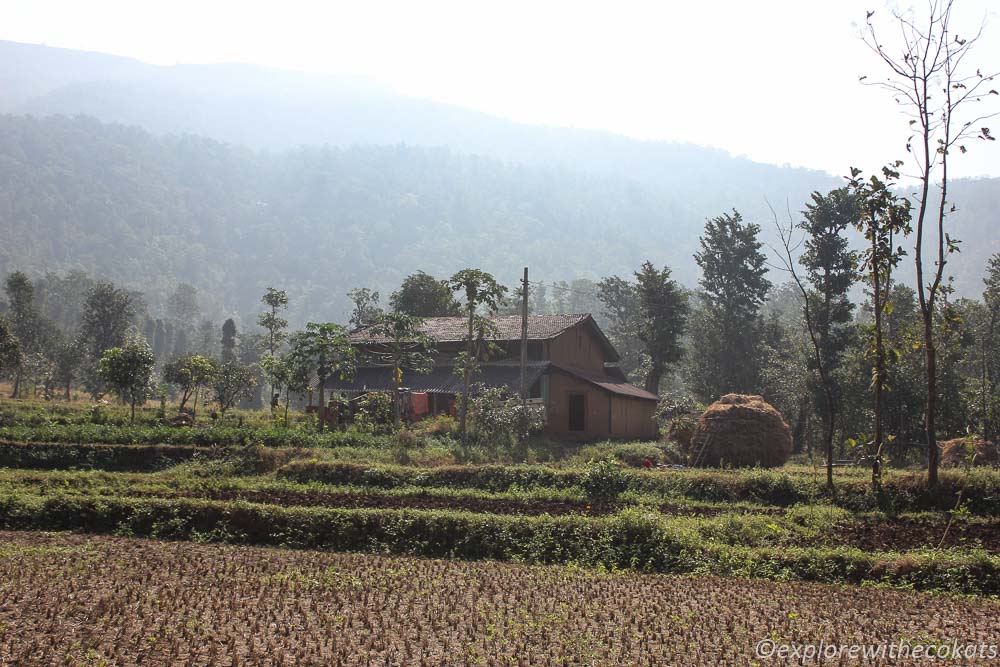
[150,212]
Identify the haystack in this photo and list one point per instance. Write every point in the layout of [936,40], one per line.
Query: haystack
[740,431]
[959,451]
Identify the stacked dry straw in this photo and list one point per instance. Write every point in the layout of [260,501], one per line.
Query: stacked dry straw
[740,431]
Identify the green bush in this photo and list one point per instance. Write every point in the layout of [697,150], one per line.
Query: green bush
[604,481]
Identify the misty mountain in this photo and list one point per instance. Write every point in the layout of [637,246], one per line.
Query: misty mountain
[272,109]
[229,186]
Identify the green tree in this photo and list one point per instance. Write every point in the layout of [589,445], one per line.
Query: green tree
[621,312]
[128,370]
[663,318]
[884,219]
[228,341]
[69,357]
[207,340]
[366,308]
[182,305]
[930,76]
[107,314]
[276,326]
[191,374]
[396,341]
[989,337]
[276,300]
[726,334]
[322,350]
[10,346]
[423,295]
[481,290]
[28,326]
[826,307]
[233,382]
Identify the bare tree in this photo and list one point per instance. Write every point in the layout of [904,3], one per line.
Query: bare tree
[789,246]
[932,82]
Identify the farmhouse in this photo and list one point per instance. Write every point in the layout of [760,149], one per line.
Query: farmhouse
[572,371]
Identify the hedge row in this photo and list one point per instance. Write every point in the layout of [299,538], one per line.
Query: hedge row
[630,540]
[225,436]
[902,492]
[137,458]
[55,456]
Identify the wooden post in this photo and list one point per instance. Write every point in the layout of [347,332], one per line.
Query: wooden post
[524,339]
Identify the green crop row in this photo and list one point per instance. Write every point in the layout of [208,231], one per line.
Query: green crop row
[903,492]
[628,540]
[224,436]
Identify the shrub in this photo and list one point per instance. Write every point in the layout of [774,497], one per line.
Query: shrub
[374,413]
[631,454]
[604,481]
[499,423]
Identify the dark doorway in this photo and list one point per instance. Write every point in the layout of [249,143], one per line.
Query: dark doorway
[577,412]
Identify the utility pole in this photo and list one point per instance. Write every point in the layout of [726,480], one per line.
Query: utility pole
[524,339]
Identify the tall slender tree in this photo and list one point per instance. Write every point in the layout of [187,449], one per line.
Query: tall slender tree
[884,219]
[480,290]
[662,320]
[727,335]
[228,341]
[24,321]
[10,346]
[930,76]
[826,308]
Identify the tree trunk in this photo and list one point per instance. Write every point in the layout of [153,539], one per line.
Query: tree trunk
[877,440]
[879,373]
[133,411]
[68,395]
[15,393]
[322,404]
[653,379]
[466,376]
[395,397]
[933,455]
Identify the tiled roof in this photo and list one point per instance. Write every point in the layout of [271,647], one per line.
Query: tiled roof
[454,329]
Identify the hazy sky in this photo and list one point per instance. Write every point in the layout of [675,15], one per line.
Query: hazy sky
[776,80]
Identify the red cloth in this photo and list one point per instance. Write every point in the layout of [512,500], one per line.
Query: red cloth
[419,404]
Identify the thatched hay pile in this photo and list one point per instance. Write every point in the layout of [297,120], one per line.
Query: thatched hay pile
[957,452]
[740,431]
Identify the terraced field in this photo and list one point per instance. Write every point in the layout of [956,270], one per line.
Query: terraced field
[381,564]
[71,599]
